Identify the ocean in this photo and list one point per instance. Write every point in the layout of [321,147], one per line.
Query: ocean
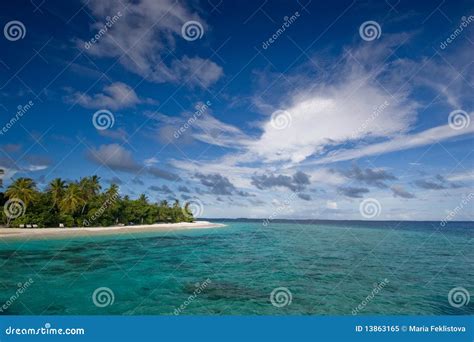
[247,268]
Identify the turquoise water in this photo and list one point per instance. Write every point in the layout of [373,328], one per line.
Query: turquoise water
[328,267]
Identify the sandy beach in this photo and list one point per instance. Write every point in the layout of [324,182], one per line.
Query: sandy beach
[41,233]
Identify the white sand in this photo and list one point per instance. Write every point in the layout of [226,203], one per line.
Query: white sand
[90,231]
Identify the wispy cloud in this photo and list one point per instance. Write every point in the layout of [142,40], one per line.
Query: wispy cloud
[297,182]
[368,176]
[218,184]
[438,183]
[400,143]
[353,191]
[115,96]
[164,189]
[115,157]
[11,148]
[145,34]
[400,191]
[118,158]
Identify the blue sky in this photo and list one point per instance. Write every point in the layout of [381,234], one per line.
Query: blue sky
[263,109]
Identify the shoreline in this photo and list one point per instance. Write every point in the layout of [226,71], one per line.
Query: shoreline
[20,233]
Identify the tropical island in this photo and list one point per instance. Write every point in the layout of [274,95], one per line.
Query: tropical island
[82,204]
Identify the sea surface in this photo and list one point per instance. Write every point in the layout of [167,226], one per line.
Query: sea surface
[312,268]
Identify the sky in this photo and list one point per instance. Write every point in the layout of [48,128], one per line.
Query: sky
[344,110]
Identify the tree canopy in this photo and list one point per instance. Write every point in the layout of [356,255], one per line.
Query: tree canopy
[83,203]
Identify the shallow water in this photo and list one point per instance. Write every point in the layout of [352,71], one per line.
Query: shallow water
[328,267]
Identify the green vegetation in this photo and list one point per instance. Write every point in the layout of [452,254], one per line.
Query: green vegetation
[82,203]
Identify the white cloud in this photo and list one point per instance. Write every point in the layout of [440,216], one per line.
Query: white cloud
[118,158]
[329,116]
[114,96]
[213,131]
[238,175]
[350,105]
[449,78]
[326,176]
[196,71]
[462,176]
[25,165]
[114,156]
[143,37]
[363,108]
[203,127]
[151,161]
[9,169]
[36,167]
[402,142]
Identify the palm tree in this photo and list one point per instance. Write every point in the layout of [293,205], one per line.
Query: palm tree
[188,212]
[72,199]
[2,173]
[112,191]
[90,187]
[24,189]
[112,195]
[143,198]
[94,184]
[56,189]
